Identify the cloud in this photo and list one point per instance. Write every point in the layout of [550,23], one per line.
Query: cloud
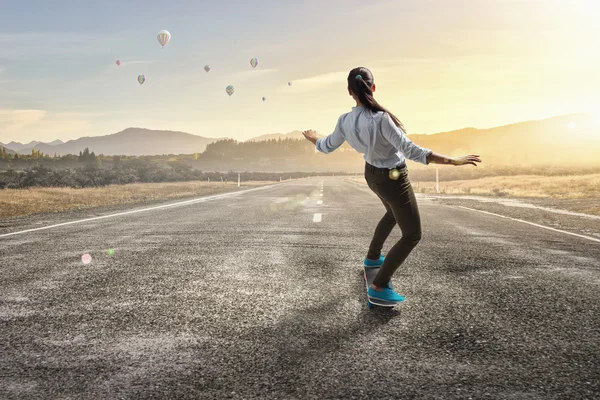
[20,124]
[133,62]
[318,82]
[12,121]
[46,38]
[17,45]
[252,73]
[114,67]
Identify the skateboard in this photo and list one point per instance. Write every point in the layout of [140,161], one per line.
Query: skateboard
[369,275]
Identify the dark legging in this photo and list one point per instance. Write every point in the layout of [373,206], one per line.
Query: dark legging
[399,200]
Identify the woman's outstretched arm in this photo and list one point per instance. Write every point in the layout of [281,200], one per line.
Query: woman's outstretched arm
[441,159]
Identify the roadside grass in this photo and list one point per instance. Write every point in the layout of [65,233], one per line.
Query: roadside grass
[34,200]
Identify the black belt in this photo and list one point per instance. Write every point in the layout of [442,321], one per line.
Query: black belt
[393,173]
[374,169]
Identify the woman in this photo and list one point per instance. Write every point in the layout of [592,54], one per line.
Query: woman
[375,132]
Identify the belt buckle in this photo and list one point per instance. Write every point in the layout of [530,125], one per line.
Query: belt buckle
[394,174]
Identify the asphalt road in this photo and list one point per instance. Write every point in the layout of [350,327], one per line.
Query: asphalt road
[249,295]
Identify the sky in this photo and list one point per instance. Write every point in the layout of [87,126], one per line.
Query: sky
[438,65]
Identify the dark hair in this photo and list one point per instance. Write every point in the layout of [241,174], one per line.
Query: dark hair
[360,80]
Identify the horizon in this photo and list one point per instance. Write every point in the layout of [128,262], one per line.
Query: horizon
[482,64]
[591,115]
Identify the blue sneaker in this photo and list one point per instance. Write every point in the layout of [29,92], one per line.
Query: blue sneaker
[386,294]
[374,263]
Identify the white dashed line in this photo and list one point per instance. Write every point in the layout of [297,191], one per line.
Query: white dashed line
[534,224]
[321,195]
[320,202]
[317,217]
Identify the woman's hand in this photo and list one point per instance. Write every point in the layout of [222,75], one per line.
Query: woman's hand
[311,135]
[464,160]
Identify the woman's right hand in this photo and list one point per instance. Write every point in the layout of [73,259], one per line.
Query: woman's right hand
[464,160]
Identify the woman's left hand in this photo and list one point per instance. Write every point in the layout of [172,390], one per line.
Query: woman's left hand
[310,135]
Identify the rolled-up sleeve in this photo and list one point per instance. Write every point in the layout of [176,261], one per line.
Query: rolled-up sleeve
[402,143]
[333,141]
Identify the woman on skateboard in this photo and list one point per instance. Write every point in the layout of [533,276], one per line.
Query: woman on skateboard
[375,132]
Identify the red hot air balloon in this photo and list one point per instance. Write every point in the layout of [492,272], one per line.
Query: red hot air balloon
[118,62]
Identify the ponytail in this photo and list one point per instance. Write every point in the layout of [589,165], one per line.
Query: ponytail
[360,81]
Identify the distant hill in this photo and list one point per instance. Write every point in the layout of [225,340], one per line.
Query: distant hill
[133,142]
[573,138]
[26,148]
[567,139]
[271,136]
[6,149]
[18,147]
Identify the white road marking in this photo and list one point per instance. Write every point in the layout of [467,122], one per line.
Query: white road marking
[198,200]
[317,217]
[320,202]
[509,202]
[534,224]
[321,195]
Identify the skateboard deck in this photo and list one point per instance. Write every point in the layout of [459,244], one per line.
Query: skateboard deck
[370,274]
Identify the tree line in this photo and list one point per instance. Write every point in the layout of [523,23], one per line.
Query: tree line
[124,172]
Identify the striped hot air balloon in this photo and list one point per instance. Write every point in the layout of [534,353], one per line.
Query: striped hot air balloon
[141,79]
[289,83]
[207,68]
[254,62]
[163,37]
[264,98]
[229,89]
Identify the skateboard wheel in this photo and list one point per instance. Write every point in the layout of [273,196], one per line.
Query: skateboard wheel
[370,305]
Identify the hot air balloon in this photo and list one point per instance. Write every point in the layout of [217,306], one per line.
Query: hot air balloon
[163,37]
[289,83]
[229,89]
[206,68]
[118,62]
[264,98]
[141,79]
[254,62]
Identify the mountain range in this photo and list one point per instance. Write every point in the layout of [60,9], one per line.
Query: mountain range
[6,149]
[131,141]
[563,139]
[567,139]
[180,142]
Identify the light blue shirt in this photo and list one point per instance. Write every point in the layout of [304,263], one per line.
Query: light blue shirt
[375,135]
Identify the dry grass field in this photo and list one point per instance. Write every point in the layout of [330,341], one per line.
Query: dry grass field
[18,202]
[564,187]
[579,193]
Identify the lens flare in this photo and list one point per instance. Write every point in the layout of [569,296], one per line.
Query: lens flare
[86,258]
